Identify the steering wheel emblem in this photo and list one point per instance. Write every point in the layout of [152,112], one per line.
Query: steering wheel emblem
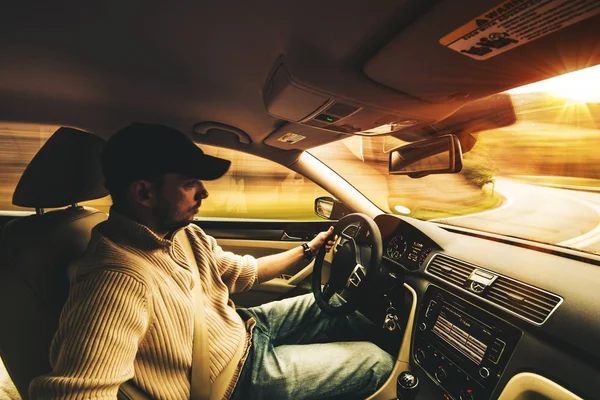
[357,276]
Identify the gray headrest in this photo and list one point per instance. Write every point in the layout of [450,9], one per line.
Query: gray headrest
[66,170]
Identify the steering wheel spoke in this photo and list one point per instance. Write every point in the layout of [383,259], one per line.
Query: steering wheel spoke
[328,292]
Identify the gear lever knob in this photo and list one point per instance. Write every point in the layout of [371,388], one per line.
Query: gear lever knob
[407,386]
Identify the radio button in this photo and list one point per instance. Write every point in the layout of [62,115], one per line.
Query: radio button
[430,307]
[484,372]
[494,356]
[496,351]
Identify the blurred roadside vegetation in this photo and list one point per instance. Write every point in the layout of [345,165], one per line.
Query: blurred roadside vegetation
[554,142]
[552,138]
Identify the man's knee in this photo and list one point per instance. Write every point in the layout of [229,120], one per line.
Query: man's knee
[379,364]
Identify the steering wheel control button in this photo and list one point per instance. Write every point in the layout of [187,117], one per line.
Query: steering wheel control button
[484,372]
[422,326]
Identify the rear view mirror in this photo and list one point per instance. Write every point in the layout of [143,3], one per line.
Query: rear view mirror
[439,155]
[330,208]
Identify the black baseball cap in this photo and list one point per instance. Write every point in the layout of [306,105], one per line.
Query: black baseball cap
[143,151]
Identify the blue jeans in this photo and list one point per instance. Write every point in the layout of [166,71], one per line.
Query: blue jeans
[286,360]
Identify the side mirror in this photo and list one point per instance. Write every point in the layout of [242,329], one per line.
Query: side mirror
[330,208]
[439,155]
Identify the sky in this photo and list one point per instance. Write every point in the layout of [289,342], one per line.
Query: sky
[580,86]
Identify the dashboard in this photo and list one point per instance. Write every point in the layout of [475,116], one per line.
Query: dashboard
[490,308]
[408,248]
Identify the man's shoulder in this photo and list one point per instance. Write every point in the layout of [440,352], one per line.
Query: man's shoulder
[194,229]
[198,235]
[102,254]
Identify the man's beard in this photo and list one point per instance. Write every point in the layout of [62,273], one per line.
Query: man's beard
[164,219]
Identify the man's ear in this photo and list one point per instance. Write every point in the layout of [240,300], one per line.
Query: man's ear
[143,193]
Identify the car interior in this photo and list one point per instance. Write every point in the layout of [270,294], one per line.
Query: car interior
[468,313]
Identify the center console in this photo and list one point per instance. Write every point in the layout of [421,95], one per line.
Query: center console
[460,346]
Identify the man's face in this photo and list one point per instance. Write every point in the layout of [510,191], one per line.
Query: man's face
[178,199]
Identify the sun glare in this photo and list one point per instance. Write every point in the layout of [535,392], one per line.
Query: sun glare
[581,86]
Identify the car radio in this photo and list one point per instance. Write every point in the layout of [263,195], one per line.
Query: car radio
[460,346]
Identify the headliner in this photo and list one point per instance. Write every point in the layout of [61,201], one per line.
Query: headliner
[99,68]
[104,67]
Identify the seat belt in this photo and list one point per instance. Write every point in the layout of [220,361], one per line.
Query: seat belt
[201,388]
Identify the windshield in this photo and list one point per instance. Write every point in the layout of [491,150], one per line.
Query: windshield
[537,179]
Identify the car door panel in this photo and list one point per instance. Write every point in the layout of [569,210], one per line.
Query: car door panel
[263,238]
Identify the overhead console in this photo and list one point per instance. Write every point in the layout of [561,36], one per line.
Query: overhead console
[288,99]
[302,99]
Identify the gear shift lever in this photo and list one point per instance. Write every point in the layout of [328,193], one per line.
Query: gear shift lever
[407,386]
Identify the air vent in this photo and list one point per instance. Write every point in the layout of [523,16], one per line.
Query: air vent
[527,302]
[350,231]
[450,269]
[532,304]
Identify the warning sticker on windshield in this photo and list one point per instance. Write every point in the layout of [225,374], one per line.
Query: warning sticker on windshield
[514,23]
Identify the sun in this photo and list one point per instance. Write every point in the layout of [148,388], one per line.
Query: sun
[577,95]
[581,86]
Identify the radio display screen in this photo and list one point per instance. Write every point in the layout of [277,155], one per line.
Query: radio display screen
[463,333]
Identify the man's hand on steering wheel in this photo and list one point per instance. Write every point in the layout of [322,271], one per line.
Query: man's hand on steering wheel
[325,238]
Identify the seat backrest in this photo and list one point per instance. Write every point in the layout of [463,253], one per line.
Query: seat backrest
[35,251]
[34,254]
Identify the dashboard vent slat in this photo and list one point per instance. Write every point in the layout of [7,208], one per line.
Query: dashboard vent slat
[450,269]
[514,288]
[527,301]
[521,309]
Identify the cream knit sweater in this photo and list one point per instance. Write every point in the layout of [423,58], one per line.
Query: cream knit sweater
[129,314]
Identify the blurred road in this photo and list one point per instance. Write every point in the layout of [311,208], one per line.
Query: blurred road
[565,217]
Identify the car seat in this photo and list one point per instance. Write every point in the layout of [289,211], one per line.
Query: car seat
[36,250]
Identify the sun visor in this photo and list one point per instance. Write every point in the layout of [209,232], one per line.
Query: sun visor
[462,50]
[65,171]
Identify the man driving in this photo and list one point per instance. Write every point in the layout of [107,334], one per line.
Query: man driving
[131,317]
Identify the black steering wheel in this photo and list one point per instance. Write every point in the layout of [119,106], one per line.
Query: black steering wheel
[359,252]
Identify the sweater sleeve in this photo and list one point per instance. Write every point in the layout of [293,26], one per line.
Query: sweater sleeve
[239,273]
[100,329]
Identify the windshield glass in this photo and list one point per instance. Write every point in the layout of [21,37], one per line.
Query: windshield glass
[537,179]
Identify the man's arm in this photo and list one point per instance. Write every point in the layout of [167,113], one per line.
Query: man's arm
[272,266]
[101,326]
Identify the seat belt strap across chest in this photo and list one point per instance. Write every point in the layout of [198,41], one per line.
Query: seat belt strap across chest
[201,388]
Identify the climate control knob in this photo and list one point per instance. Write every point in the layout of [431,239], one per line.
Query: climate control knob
[420,355]
[440,374]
